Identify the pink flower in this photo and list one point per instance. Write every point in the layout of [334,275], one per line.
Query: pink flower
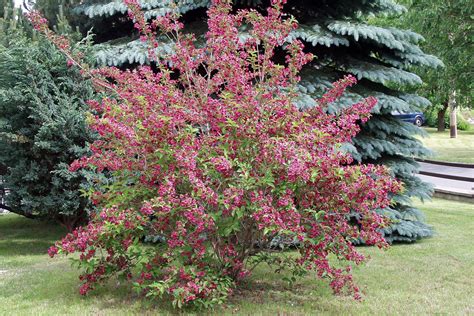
[222,165]
[84,289]
[52,251]
[213,158]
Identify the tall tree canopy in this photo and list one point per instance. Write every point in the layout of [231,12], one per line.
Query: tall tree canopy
[337,32]
[448,27]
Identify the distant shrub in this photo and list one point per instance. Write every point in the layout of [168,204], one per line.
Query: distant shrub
[463,124]
[431,116]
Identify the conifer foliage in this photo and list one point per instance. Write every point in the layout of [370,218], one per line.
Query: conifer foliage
[210,152]
[42,127]
[338,34]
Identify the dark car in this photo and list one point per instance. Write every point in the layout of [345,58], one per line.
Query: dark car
[416,118]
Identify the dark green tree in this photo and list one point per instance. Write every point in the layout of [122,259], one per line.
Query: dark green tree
[337,32]
[57,12]
[5,6]
[42,127]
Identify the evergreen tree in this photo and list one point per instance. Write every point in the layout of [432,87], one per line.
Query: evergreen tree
[337,32]
[5,7]
[57,12]
[42,127]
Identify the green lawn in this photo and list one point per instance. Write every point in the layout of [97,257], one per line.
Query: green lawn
[433,276]
[460,149]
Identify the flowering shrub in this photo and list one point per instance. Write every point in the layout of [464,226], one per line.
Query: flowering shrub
[210,153]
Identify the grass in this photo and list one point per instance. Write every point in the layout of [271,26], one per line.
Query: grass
[432,276]
[460,149]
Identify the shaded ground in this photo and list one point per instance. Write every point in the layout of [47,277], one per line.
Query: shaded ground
[460,149]
[429,277]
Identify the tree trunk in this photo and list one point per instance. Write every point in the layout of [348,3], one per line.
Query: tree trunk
[73,221]
[453,130]
[441,114]
[6,208]
[27,215]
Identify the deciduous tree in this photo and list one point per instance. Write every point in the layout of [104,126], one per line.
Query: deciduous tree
[448,29]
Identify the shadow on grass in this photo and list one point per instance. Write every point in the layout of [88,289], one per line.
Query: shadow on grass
[115,295]
[22,236]
[25,247]
[13,226]
[265,286]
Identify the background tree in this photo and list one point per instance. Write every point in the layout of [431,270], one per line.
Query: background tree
[57,11]
[448,27]
[5,5]
[42,127]
[337,32]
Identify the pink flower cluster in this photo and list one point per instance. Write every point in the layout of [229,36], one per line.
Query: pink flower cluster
[212,156]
